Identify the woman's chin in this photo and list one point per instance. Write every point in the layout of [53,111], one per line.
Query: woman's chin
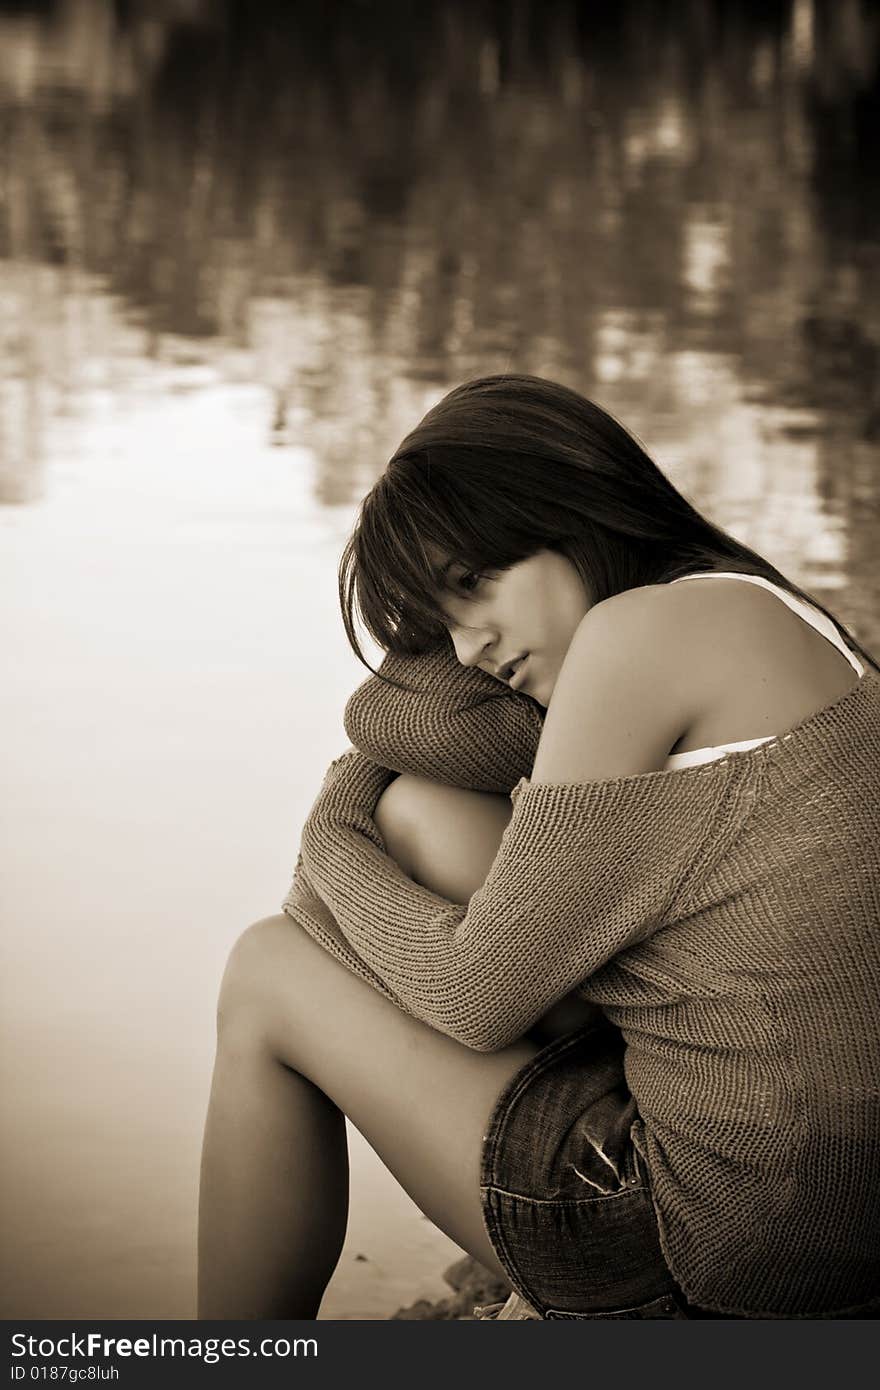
[541,694]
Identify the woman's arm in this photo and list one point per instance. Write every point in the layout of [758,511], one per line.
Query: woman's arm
[452,723]
[583,872]
[585,869]
[304,906]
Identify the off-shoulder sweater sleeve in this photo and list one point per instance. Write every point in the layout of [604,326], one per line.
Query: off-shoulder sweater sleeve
[583,872]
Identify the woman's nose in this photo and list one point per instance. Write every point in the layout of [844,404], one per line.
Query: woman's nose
[472,643]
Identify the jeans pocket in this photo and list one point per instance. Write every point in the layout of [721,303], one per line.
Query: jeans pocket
[665,1307]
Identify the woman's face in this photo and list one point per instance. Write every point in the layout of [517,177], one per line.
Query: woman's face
[531,609]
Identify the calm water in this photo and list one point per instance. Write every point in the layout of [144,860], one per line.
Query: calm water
[242,249]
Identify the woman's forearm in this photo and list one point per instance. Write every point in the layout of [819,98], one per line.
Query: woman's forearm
[583,872]
[451,723]
[305,907]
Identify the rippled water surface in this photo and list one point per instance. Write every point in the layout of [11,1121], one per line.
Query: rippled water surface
[242,249]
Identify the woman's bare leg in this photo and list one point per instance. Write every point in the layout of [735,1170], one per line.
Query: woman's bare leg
[302,1042]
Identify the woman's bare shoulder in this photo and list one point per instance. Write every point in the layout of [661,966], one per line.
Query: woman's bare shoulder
[668,622]
[622,698]
[681,665]
[714,622]
[729,626]
[756,667]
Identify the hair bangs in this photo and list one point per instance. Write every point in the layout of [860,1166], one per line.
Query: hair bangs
[415,524]
[391,576]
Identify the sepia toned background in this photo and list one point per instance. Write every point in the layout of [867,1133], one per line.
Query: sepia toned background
[243,247]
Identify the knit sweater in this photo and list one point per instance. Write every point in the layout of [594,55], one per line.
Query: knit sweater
[725,917]
[432,717]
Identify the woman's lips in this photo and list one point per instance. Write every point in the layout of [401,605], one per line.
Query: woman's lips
[518,675]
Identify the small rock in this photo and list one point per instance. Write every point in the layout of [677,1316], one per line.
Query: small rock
[472,1284]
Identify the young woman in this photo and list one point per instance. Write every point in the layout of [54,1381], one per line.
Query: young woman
[599,987]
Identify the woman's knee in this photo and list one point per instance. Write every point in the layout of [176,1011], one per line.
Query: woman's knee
[264,951]
[443,837]
[400,816]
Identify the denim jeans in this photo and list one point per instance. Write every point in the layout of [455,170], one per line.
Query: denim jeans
[565,1190]
[565,1195]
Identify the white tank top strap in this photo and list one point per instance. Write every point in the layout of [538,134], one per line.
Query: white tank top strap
[822,624]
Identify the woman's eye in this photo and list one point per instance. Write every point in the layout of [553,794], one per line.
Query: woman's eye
[469,581]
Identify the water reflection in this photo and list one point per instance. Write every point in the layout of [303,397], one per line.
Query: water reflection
[243,247]
[357,214]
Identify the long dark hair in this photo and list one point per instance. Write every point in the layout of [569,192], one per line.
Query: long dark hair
[501,468]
